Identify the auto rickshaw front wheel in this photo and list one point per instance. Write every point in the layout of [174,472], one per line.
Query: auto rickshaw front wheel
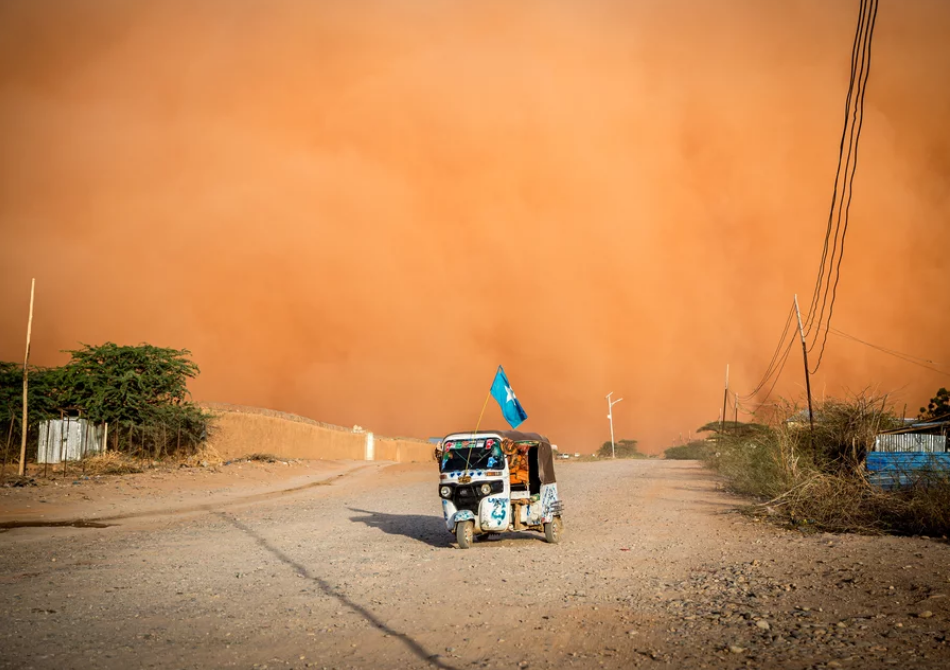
[553,530]
[464,533]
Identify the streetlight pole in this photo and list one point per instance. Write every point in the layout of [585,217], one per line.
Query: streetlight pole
[610,416]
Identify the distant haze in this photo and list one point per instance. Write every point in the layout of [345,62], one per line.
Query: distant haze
[356,211]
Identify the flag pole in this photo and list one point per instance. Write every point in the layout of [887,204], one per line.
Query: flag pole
[479,422]
[485,404]
[482,413]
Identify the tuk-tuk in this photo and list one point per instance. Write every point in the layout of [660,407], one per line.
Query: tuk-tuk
[496,482]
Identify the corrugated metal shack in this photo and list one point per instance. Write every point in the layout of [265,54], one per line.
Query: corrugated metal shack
[69,438]
[904,457]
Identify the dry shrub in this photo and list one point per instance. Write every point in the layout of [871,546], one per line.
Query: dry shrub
[206,456]
[111,463]
[845,431]
[848,503]
[119,463]
[926,506]
[818,479]
[756,465]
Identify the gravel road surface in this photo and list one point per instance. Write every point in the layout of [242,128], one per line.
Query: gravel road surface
[656,570]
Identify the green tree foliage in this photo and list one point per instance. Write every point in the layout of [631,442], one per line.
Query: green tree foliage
[691,451]
[138,390]
[44,396]
[127,384]
[939,406]
[734,429]
[624,449]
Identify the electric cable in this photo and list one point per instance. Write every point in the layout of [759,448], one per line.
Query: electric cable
[834,196]
[916,360]
[766,376]
[856,126]
[788,349]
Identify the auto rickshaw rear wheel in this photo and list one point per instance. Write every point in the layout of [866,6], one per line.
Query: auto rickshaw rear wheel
[553,530]
[464,533]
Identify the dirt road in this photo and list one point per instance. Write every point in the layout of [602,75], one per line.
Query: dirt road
[655,570]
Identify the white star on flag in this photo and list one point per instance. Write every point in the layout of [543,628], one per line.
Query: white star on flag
[511,407]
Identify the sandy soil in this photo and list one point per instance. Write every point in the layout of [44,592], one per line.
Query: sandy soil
[161,491]
[358,571]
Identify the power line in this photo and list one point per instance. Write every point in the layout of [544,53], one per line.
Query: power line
[829,270]
[834,195]
[767,375]
[837,331]
[916,360]
[788,349]
[858,120]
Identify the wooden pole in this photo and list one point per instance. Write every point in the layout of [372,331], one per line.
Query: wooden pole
[801,331]
[737,415]
[26,384]
[725,399]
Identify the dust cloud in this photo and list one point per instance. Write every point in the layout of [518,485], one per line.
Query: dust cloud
[355,211]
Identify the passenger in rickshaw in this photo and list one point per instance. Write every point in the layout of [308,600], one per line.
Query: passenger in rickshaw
[517,465]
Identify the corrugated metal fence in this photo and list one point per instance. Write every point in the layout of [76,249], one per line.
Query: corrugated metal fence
[911,442]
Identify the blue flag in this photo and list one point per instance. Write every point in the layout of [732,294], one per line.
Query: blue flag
[510,407]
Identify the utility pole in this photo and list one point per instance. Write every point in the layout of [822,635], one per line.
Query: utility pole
[801,332]
[610,416]
[26,384]
[737,415]
[725,399]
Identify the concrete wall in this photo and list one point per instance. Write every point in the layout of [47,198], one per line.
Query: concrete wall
[242,431]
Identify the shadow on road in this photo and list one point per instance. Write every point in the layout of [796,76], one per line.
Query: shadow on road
[428,529]
[335,592]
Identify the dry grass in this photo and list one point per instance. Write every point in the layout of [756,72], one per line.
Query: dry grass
[848,503]
[206,456]
[109,463]
[113,463]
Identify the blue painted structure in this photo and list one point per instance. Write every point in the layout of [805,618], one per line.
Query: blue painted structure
[889,470]
[904,457]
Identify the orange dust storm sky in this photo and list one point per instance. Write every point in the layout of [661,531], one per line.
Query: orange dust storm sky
[356,211]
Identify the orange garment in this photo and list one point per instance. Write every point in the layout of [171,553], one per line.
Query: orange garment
[517,462]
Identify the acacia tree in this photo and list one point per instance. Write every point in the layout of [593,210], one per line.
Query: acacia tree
[938,407]
[141,391]
[127,384]
[622,448]
[141,388]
